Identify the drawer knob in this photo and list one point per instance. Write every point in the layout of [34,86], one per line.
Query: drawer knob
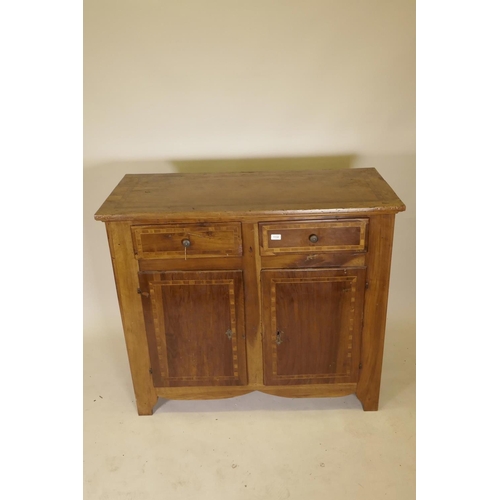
[186,242]
[313,238]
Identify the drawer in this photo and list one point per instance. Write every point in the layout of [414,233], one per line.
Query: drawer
[347,235]
[202,240]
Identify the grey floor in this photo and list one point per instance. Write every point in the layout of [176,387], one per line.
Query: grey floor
[250,447]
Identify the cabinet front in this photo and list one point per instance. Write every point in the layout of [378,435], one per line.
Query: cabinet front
[312,321]
[195,327]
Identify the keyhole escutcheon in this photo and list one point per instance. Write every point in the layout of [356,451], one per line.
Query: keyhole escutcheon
[279,337]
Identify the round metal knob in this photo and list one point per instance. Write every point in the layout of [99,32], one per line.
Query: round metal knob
[313,238]
[185,242]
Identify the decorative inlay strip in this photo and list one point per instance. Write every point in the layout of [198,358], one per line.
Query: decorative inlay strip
[161,343]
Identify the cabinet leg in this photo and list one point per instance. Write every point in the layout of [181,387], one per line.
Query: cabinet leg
[369,400]
[372,342]
[146,406]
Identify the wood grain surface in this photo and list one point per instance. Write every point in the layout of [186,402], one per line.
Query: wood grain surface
[195,326]
[165,241]
[375,310]
[232,196]
[312,325]
[125,271]
[331,236]
[238,311]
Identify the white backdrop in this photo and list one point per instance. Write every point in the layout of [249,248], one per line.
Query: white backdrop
[168,82]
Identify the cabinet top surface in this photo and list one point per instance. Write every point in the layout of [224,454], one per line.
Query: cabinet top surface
[244,194]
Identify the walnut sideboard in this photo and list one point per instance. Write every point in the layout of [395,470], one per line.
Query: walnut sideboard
[259,281]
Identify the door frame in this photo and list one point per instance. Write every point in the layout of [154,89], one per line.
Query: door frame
[150,286]
[269,278]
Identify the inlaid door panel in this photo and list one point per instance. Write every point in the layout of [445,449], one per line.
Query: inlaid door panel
[312,321]
[195,327]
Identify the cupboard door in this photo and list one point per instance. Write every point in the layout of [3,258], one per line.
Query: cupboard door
[312,321]
[195,327]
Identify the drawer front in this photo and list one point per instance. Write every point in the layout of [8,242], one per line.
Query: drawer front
[202,240]
[313,236]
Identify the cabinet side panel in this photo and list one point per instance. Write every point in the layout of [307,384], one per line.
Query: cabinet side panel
[375,311]
[125,270]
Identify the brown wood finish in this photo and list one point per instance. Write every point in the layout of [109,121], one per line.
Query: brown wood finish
[304,261]
[253,303]
[231,196]
[312,325]
[376,295]
[195,327]
[305,391]
[192,264]
[207,240]
[329,298]
[125,272]
[295,237]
